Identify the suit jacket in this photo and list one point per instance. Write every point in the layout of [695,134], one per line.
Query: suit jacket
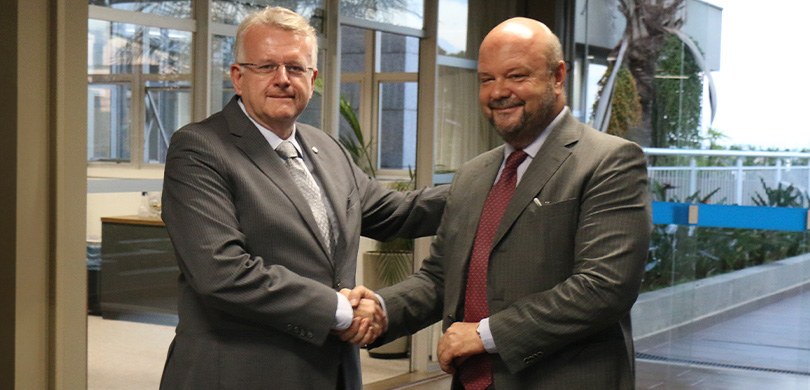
[257,285]
[565,269]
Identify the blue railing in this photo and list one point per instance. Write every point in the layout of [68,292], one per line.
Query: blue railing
[723,216]
[733,183]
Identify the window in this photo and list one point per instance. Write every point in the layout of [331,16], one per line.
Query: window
[397,125]
[405,13]
[108,122]
[174,8]
[382,89]
[139,90]
[233,11]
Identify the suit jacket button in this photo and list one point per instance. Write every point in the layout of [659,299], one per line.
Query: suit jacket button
[310,335]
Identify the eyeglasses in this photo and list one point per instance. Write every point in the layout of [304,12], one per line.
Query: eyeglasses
[291,69]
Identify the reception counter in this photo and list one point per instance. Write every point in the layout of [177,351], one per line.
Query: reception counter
[138,270]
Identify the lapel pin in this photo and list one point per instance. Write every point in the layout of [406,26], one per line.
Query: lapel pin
[315,149]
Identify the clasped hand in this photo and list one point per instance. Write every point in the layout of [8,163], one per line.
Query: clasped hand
[369,320]
[459,342]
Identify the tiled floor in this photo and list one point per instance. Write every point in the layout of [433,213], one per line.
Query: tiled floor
[767,348]
[129,355]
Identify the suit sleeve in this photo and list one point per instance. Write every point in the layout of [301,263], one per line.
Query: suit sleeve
[417,301]
[389,214]
[201,218]
[610,246]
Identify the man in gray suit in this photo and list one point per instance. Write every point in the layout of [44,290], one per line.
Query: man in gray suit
[539,295]
[263,257]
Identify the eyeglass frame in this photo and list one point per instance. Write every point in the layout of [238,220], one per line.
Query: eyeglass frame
[271,68]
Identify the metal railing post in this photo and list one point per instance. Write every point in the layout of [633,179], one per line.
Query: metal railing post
[778,177]
[740,176]
[692,176]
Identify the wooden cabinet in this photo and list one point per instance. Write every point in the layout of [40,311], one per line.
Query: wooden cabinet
[138,270]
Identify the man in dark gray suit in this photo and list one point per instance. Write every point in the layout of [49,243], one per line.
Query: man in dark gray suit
[264,253]
[539,295]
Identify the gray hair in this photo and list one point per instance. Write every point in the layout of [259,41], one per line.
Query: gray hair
[277,17]
[554,53]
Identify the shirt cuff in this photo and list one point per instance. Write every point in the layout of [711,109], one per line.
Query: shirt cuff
[382,303]
[486,336]
[344,313]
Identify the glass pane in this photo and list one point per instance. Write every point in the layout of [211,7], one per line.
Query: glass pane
[167,108]
[586,88]
[453,28]
[112,47]
[405,13]
[352,49]
[398,53]
[173,8]
[233,11]
[462,131]
[115,48]
[221,59]
[350,93]
[168,51]
[397,124]
[312,113]
[108,122]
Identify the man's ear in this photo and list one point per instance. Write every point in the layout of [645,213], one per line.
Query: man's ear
[236,78]
[559,75]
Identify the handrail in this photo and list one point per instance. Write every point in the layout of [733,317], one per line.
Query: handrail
[730,216]
[735,182]
[723,153]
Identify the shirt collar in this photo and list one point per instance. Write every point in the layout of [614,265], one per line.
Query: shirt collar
[271,137]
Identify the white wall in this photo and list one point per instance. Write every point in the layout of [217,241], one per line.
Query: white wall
[115,204]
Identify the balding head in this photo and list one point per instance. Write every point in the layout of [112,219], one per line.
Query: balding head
[529,33]
[521,77]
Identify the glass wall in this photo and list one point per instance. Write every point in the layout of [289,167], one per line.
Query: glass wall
[726,281]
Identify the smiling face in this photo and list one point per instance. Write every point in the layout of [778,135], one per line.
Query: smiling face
[276,99]
[519,93]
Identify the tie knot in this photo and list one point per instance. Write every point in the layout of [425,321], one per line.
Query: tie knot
[515,159]
[287,150]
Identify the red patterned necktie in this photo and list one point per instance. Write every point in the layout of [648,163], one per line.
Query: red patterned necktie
[476,372]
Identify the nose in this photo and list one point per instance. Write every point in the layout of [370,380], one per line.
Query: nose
[499,89]
[280,76]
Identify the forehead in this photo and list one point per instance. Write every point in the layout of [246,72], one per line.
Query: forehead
[504,57]
[266,42]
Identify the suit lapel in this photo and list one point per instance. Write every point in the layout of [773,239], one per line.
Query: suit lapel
[547,161]
[257,149]
[473,198]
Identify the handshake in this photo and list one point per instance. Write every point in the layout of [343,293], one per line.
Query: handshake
[459,341]
[369,320]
